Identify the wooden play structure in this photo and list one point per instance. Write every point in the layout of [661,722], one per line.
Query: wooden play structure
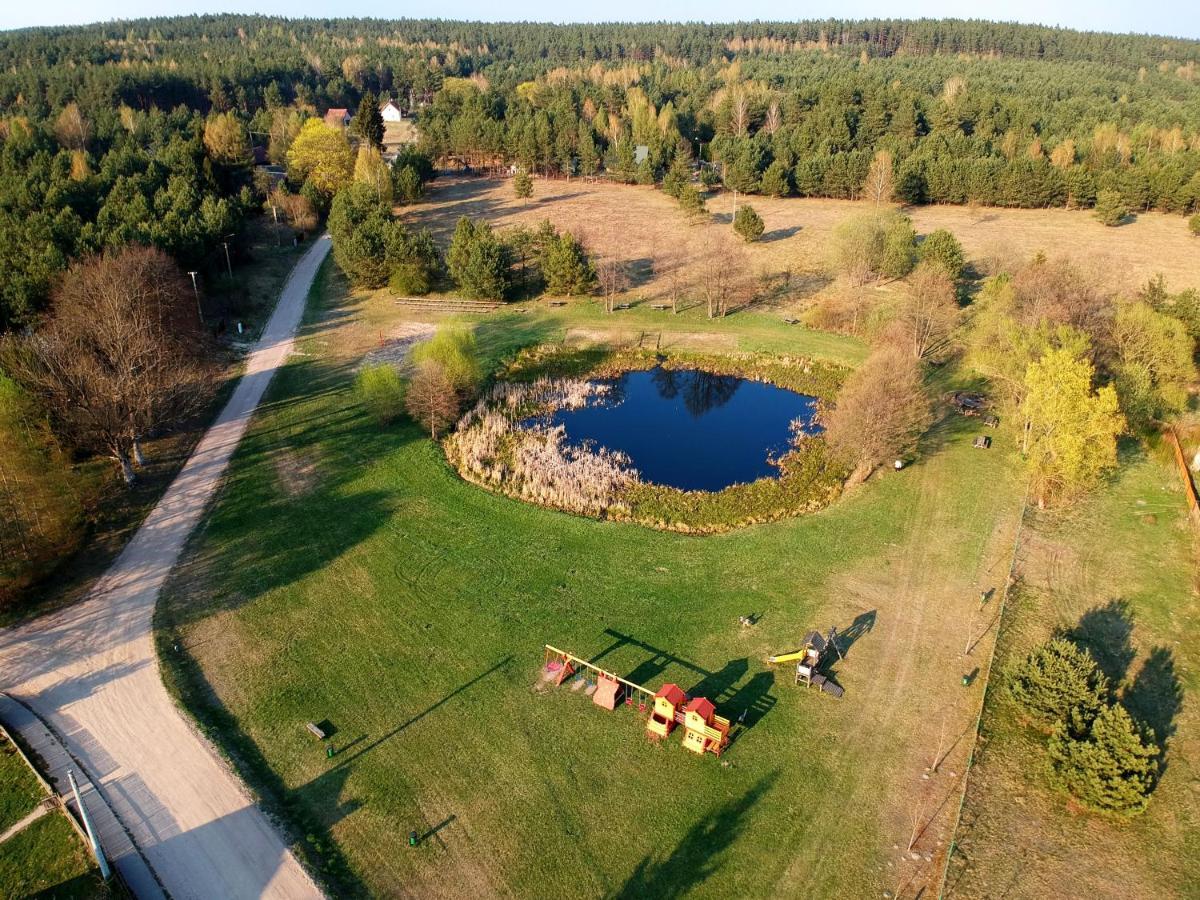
[808,661]
[703,730]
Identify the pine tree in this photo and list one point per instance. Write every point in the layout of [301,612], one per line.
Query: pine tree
[1110,208]
[775,180]
[1111,767]
[748,223]
[522,185]
[368,120]
[691,202]
[566,267]
[1059,681]
[943,249]
[679,174]
[477,261]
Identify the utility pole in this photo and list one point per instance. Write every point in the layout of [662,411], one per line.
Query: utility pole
[196,291]
[228,264]
[97,851]
[275,213]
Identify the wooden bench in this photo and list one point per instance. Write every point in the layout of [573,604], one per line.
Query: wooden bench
[316,731]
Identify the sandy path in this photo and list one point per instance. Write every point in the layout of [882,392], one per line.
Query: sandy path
[92,672]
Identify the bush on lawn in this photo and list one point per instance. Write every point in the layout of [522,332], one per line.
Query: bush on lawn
[1059,682]
[1111,767]
[380,389]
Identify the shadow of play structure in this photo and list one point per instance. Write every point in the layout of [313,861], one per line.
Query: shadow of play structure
[809,658]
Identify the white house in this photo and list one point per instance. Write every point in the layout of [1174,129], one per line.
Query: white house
[390,111]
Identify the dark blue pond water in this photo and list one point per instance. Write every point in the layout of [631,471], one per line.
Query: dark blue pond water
[692,430]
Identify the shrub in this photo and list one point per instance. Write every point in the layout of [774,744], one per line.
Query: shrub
[1110,767]
[943,249]
[1059,682]
[380,390]
[899,247]
[871,244]
[453,350]
[1110,208]
[748,223]
[410,280]
[709,178]
[1194,224]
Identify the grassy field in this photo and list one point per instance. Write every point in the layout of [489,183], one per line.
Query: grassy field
[20,791]
[47,857]
[614,218]
[347,576]
[1120,574]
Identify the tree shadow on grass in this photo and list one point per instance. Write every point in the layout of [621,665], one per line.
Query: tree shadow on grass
[1106,633]
[698,856]
[1155,698]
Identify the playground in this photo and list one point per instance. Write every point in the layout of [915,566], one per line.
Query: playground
[415,636]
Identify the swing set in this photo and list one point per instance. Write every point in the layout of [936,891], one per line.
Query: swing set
[704,730]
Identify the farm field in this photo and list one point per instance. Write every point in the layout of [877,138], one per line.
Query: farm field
[612,217]
[415,629]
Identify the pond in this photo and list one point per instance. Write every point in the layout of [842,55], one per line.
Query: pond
[692,430]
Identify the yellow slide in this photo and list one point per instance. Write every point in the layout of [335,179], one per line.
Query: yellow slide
[785,657]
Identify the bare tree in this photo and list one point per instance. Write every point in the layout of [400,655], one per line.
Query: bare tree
[878,187]
[739,113]
[676,266]
[72,129]
[613,277]
[121,355]
[431,399]
[774,119]
[722,274]
[881,412]
[928,313]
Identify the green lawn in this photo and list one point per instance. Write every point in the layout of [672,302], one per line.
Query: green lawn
[408,609]
[47,859]
[20,791]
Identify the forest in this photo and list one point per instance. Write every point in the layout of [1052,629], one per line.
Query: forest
[103,128]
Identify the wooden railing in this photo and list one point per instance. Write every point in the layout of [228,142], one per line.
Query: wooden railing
[1189,486]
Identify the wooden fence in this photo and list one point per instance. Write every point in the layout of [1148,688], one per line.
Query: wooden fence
[1189,486]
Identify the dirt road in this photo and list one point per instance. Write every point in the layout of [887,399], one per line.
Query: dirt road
[92,673]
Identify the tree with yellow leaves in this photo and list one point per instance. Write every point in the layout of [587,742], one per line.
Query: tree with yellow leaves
[321,155]
[1070,430]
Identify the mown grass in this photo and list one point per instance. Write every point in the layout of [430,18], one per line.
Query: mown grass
[1119,575]
[408,610]
[47,859]
[20,790]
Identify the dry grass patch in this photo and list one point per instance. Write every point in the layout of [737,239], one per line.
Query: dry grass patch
[639,225]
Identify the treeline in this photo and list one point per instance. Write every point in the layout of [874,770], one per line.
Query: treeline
[103,128]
